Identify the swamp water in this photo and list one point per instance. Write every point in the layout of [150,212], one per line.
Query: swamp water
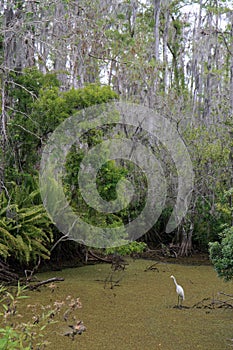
[139,314]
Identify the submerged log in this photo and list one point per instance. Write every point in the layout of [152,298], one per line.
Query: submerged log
[42,283]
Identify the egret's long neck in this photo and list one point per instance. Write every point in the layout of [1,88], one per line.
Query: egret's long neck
[174,281]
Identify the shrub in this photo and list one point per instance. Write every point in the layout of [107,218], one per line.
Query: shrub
[221,254]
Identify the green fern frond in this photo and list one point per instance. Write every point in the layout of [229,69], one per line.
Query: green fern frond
[7,237]
[25,228]
[4,251]
[32,196]
[28,212]
[38,246]
[24,250]
[3,223]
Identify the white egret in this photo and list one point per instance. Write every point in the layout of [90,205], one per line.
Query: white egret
[179,291]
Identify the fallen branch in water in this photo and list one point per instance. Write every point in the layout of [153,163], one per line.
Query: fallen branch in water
[212,303]
[227,295]
[100,258]
[42,283]
[118,266]
[152,267]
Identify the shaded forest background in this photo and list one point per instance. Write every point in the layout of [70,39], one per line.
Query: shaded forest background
[58,57]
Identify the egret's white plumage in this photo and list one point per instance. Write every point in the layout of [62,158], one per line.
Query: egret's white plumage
[179,290]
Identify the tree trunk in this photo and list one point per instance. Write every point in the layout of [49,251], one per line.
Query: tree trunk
[7,48]
[231,72]
[157,9]
[231,132]
[165,55]
[231,175]
[3,135]
[186,241]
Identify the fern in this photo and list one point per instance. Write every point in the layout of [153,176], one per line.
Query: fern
[25,228]
[4,250]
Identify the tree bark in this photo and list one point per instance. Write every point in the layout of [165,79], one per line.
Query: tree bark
[165,54]
[157,9]
[231,132]
[3,136]
[186,241]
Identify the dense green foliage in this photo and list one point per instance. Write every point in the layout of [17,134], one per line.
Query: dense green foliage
[25,229]
[221,251]
[40,108]
[128,249]
[221,254]
[210,159]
